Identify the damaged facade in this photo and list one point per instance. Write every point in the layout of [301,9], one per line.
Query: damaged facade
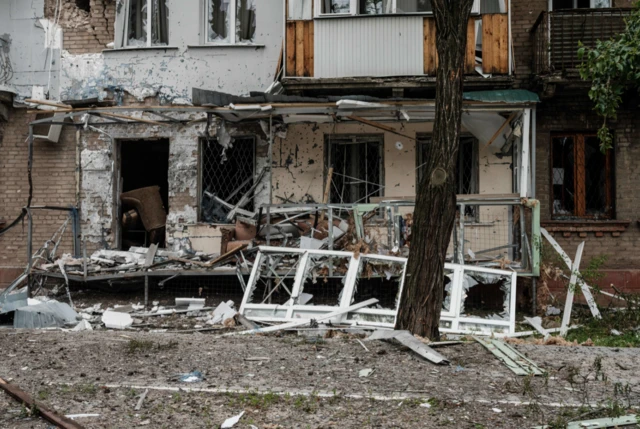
[335,136]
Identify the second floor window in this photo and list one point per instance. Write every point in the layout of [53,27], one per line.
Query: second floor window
[142,14]
[231,21]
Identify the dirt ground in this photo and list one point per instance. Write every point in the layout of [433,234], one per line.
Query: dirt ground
[293,381]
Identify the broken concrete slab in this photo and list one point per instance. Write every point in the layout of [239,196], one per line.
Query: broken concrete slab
[116,320]
[52,314]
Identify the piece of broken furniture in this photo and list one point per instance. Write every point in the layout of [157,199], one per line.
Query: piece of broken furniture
[144,206]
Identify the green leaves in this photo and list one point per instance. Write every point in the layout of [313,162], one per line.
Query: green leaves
[611,66]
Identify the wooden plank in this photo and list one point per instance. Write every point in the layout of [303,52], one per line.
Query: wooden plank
[470,58]
[299,48]
[487,44]
[430,51]
[47,414]
[503,57]
[290,48]
[568,305]
[496,28]
[307,49]
[311,47]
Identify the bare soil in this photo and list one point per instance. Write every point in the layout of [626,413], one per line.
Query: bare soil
[303,382]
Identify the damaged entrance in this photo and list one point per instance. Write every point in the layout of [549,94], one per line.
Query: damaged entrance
[143,192]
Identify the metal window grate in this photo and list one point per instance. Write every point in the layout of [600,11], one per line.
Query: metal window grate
[224,173]
[357,164]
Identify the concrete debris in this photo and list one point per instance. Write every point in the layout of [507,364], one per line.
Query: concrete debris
[223,312]
[365,372]
[83,326]
[116,320]
[52,314]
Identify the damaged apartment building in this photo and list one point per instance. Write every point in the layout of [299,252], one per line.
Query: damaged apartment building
[218,125]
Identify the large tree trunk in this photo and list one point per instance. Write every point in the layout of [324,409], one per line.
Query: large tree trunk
[435,210]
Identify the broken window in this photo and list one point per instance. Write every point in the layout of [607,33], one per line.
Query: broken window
[581,177]
[139,14]
[467,174]
[336,6]
[413,6]
[231,21]
[383,7]
[226,174]
[357,168]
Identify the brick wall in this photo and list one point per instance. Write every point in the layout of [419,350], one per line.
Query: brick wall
[523,16]
[572,111]
[84,31]
[53,184]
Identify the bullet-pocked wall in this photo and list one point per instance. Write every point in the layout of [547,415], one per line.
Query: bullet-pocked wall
[299,161]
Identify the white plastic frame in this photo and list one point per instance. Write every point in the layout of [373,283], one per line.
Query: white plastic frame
[487,326]
[295,311]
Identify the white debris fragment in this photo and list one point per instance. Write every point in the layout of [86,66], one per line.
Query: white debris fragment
[616,332]
[553,311]
[83,326]
[425,405]
[232,421]
[222,312]
[365,372]
[496,410]
[116,320]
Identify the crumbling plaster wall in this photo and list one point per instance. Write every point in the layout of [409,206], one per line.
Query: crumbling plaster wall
[34,47]
[171,72]
[299,161]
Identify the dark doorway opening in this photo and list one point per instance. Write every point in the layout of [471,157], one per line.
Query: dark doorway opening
[143,164]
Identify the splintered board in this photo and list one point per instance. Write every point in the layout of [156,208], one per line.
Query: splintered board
[299,48]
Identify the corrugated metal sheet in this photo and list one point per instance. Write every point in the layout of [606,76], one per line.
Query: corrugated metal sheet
[381,46]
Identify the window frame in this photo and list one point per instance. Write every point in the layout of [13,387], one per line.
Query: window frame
[358,138]
[575,5]
[149,42]
[233,31]
[578,214]
[354,7]
[201,142]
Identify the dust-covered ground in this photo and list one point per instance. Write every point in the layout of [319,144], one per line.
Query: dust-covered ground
[295,381]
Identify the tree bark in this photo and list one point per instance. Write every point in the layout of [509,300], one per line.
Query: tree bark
[435,210]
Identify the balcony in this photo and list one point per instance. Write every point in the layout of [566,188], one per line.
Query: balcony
[556,37]
[389,46]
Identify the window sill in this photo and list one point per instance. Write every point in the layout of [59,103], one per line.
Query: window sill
[227,45]
[142,48]
[583,227]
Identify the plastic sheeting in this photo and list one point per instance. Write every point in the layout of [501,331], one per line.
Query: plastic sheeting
[51,314]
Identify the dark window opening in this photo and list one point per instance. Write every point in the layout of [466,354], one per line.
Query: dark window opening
[581,178]
[467,174]
[144,164]
[357,168]
[84,5]
[225,174]
[580,4]
[486,296]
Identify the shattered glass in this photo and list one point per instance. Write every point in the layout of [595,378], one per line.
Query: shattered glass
[376,7]
[336,6]
[485,296]
[245,21]
[446,296]
[275,280]
[324,278]
[137,28]
[218,29]
[378,279]
[159,24]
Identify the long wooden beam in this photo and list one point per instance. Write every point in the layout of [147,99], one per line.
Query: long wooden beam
[47,414]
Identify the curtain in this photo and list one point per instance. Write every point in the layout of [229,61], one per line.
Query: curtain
[160,23]
[246,20]
[137,25]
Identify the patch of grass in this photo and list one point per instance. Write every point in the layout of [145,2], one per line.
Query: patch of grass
[87,389]
[139,346]
[43,395]
[599,331]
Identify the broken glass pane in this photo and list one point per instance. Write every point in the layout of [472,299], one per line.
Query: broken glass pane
[246,20]
[137,23]
[446,296]
[485,296]
[563,175]
[413,6]
[336,6]
[375,7]
[218,21]
[324,279]
[159,23]
[275,279]
[379,279]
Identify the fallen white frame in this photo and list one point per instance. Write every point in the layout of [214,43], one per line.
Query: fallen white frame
[454,316]
[290,311]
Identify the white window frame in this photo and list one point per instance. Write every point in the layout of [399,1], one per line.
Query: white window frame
[233,31]
[353,10]
[125,41]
